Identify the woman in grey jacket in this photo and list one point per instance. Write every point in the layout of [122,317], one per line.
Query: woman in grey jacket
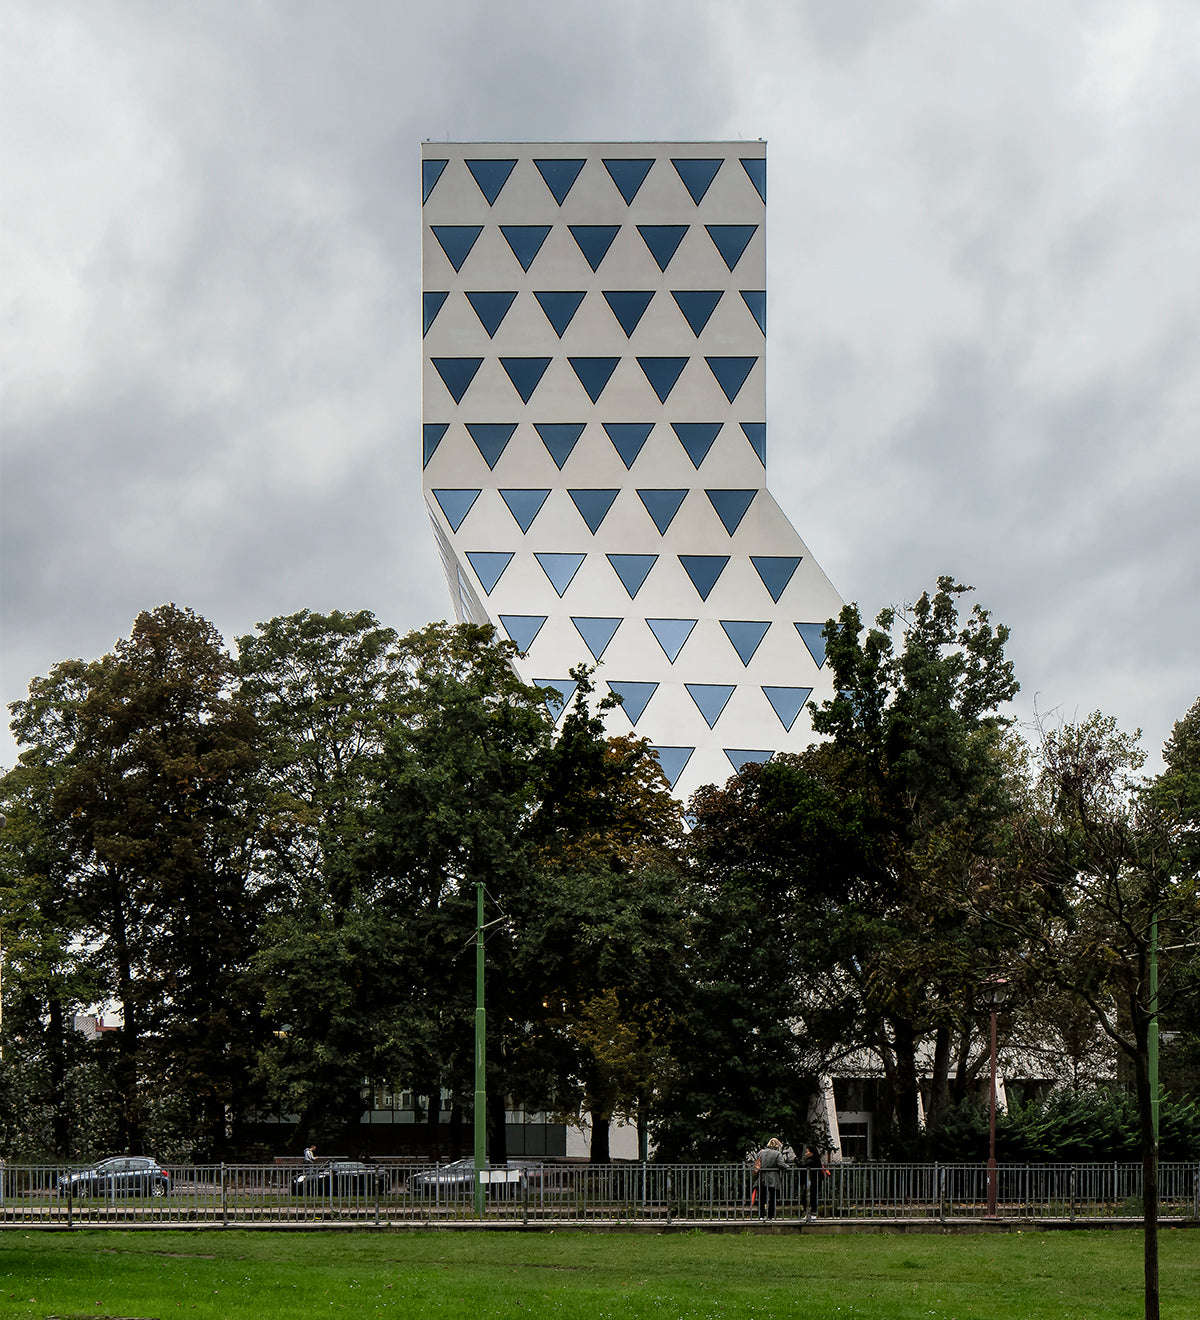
[770,1164]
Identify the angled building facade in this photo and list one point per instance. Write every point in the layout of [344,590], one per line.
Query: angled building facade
[594,437]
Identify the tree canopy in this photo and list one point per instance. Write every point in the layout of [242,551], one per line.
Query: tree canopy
[264,865]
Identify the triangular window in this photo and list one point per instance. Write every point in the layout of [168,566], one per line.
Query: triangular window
[628,175]
[697,175]
[491,176]
[559,176]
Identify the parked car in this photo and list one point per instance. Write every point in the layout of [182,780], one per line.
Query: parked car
[123,1175]
[342,1178]
[457,1179]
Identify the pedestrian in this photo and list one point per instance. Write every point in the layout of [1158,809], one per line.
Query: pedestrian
[310,1154]
[769,1165]
[814,1171]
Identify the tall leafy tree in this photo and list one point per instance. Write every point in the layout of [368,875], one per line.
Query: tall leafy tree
[326,690]
[777,855]
[148,763]
[1104,861]
[457,784]
[917,719]
[1176,793]
[602,929]
[603,801]
[46,1066]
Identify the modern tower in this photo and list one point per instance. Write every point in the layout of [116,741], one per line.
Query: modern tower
[595,441]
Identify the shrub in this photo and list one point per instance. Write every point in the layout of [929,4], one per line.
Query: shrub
[1069,1127]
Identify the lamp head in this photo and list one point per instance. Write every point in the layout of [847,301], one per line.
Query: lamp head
[996,991]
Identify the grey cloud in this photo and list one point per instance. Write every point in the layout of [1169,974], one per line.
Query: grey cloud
[984,346]
[842,28]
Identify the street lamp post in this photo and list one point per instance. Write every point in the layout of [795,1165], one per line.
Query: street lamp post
[996,991]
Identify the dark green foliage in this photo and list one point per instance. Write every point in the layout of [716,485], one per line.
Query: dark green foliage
[47,1073]
[924,770]
[142,766]
[605,951]
[1104,867]
[456,786]
[1177,794]
[1178,787]
[326,690]
[269,866]
[776,856]
[1073,1127]
[599,931]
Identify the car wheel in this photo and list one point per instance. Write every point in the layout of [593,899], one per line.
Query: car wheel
[158,1188]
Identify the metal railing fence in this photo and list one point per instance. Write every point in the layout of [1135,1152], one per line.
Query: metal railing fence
[232,1194]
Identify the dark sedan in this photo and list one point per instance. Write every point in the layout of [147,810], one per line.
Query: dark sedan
[342,1178]
[123,1175]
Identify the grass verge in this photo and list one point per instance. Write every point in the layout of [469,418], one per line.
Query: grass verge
[214,1275]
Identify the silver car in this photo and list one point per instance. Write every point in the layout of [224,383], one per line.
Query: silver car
[342,1178]
[456,1180]
[123,1175]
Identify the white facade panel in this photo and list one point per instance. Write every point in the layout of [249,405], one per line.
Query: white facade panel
[594,408]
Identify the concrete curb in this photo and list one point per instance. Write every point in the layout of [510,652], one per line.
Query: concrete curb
[822,1228]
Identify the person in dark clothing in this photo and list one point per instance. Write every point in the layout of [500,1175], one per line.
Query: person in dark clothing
[770,1164]
[814,1173]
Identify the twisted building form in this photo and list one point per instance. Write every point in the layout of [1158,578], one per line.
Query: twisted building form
[594,437]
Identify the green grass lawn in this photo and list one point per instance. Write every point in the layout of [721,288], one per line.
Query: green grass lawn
[214,1275]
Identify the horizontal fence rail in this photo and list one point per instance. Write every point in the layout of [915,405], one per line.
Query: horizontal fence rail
[381,1195]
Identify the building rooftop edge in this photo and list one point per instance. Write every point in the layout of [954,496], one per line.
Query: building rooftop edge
[598,142]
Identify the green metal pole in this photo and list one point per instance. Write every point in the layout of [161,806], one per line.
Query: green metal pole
[1152,1033]
[480,1056]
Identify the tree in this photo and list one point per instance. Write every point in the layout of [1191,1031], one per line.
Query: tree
[1176,792]
[603,800]
[457,784]
[326,690]
[47,1067]
[1177,789]
[775,856]
[605,950]
[600,930]
[1096,1125]
[146,761]
[1101,863]
[922,744]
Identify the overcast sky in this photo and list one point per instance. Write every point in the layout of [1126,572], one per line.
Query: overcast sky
[983,271]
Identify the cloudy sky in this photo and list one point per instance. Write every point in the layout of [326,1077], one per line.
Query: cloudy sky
[984,274]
